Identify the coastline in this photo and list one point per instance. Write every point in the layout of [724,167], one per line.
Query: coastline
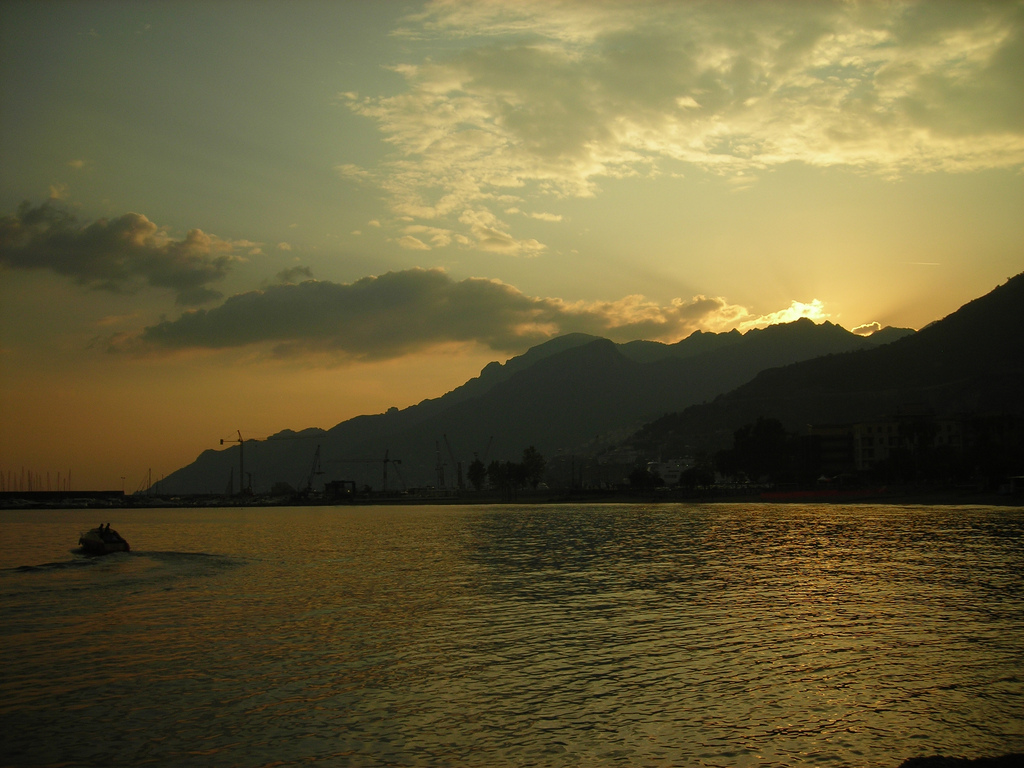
[912,496]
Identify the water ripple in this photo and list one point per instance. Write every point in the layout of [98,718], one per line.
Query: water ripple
[566,636]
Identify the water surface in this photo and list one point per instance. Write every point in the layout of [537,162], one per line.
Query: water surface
[614,635]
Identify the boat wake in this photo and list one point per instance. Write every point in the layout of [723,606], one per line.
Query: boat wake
[81,562]
[85,559]
[197,558]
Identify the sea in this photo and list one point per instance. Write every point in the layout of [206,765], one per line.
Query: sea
[531,635]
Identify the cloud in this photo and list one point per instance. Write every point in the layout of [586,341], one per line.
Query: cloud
[413,243]
[815,311]
[399,313]
[867,329]
[551,97]
[438,237]
[119,255]
[294,274]
[112,320]
[490,235]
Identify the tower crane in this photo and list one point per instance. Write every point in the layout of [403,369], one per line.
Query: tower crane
[242,489]
[384,479]
[487,451]
[439,467]
[384,475]
[313,472]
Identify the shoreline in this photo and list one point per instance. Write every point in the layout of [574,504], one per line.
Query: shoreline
[874,497]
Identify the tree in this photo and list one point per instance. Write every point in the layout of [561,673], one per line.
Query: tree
[759,449]
[643,477]
[697,477]
[477,473]
[533,465]
[502,475]
[497,474]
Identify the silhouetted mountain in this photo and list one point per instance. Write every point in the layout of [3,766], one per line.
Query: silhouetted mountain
[890,334]
[566,395]
[971,362]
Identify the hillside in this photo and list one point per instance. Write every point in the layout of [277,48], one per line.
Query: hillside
[971,362]
[565,396]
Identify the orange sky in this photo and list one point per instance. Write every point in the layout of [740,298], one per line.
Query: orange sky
[258,216]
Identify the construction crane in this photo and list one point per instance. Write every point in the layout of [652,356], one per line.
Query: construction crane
[242,490]
[313,472]
[487,451]
[439,467]
[397,463]
[384,480]
[384,475]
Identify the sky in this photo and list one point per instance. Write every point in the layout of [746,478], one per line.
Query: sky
[223,217]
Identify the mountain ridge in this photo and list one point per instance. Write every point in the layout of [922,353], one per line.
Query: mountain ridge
[565,395]
[971,361]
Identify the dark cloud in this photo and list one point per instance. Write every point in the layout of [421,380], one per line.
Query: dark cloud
[119,255]
[399,313]
[294,274]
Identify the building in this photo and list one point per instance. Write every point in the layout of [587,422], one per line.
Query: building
[670,471]
[859,446]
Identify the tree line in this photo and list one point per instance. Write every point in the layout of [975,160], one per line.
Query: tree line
[992,448]
[508,476]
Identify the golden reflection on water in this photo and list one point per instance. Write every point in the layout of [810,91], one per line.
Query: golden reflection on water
[616,635]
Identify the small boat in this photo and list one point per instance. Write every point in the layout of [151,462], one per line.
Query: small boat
[103,541]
